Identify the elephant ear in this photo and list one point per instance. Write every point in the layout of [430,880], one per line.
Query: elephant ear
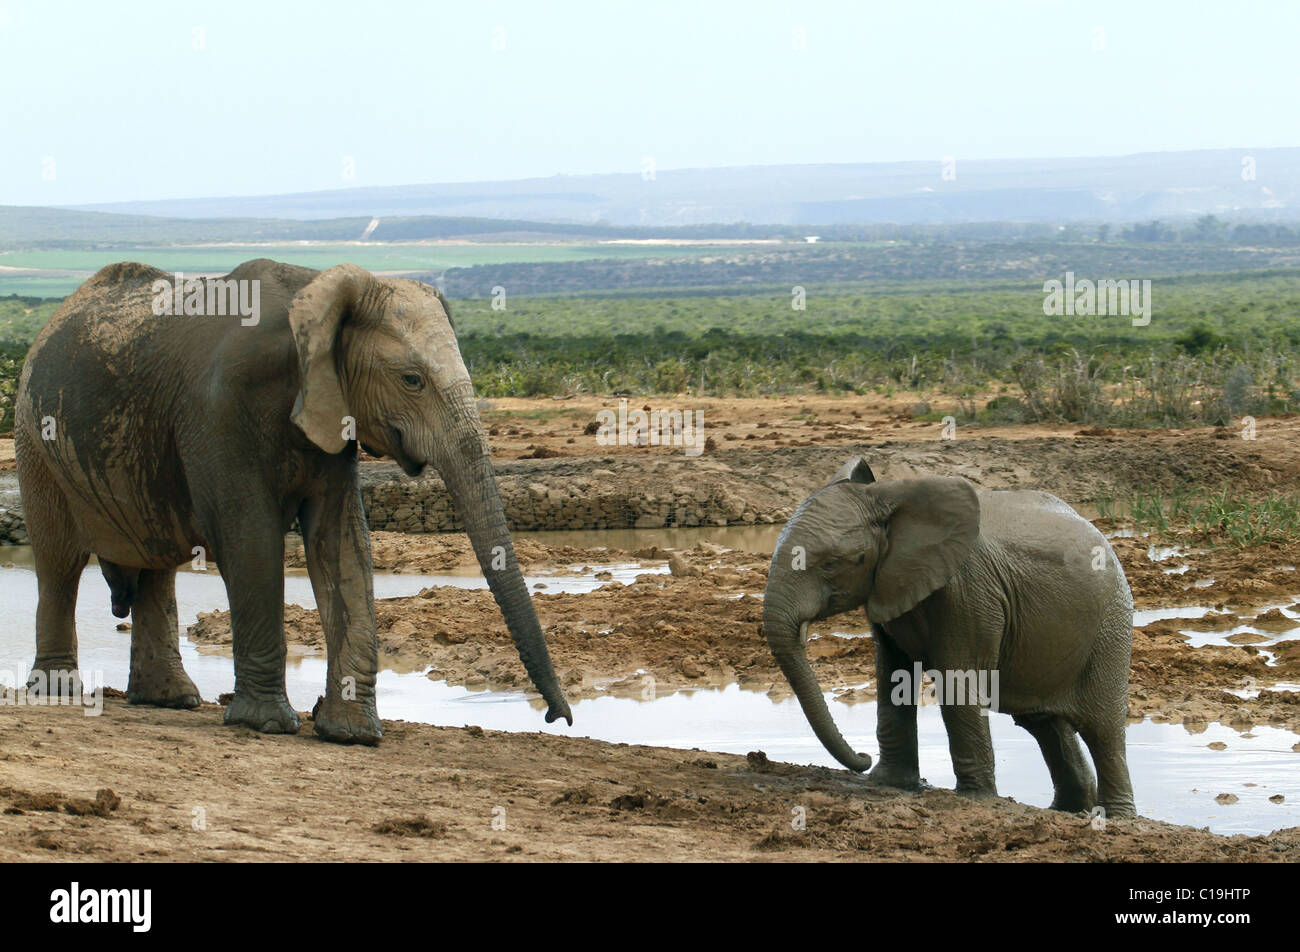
[316,317]
[855,470]
[446,308]
[931,528]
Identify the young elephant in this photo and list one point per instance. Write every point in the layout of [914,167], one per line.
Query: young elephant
[1013,591]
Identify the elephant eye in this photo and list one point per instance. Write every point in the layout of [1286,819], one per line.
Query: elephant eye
[413,381]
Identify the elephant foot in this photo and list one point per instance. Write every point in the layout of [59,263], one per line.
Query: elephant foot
[977,791]
[169,688]
[347,722]
[1073,803]
[267,716]
[1121,811]
[887,775]
[55,680]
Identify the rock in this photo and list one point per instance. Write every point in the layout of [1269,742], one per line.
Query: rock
[680,568]
[689,668]
[1274,620]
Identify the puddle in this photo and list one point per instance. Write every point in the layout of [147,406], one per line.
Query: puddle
[1160,553]
[103,648]
[1176,775]
[1253,692]
[1145,616]
[1247,633]
[1238,635]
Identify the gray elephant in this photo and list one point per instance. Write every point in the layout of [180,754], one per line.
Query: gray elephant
[1012,591]
[145,435]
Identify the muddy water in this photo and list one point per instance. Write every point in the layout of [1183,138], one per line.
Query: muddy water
[102,648]
[1262,639]
[1175,773]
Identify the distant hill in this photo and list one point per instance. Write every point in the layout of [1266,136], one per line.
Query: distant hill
[24,226]
[60,226]
[1117,189]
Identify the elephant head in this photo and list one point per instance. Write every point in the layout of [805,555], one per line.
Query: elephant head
[858,542]
[383,353]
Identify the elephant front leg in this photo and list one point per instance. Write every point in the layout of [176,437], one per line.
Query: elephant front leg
[337,543]
[971,748]
[251,558]
[899,765]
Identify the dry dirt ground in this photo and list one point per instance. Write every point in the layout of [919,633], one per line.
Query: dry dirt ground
[434,792]
[147,784]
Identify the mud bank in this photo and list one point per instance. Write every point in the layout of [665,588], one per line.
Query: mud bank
[180,786]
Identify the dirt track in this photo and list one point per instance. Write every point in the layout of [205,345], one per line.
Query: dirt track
[429,792]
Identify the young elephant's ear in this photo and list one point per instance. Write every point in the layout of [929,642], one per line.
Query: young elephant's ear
[855,470]
[931,526]
[316,316]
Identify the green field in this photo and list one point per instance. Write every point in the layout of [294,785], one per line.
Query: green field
[1218,345]
[68,268]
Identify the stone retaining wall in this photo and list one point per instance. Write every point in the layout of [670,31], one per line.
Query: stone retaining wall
[596,502]
[578,498]
[13,531]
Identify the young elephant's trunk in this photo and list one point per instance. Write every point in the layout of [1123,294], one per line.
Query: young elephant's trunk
[789,651]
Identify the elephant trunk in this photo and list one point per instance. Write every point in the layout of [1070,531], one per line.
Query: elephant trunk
[792,657]
[472,485]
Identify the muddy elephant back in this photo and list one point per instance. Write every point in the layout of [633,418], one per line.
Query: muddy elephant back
[105,313]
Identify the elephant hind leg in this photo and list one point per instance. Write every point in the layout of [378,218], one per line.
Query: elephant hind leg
[157,675]
[1075,790]
[1106,744]
[60,558]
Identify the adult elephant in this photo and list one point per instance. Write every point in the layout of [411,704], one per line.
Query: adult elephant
[1010,600]
[140,437]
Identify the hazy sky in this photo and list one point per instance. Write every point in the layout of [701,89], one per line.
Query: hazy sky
[108,101]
